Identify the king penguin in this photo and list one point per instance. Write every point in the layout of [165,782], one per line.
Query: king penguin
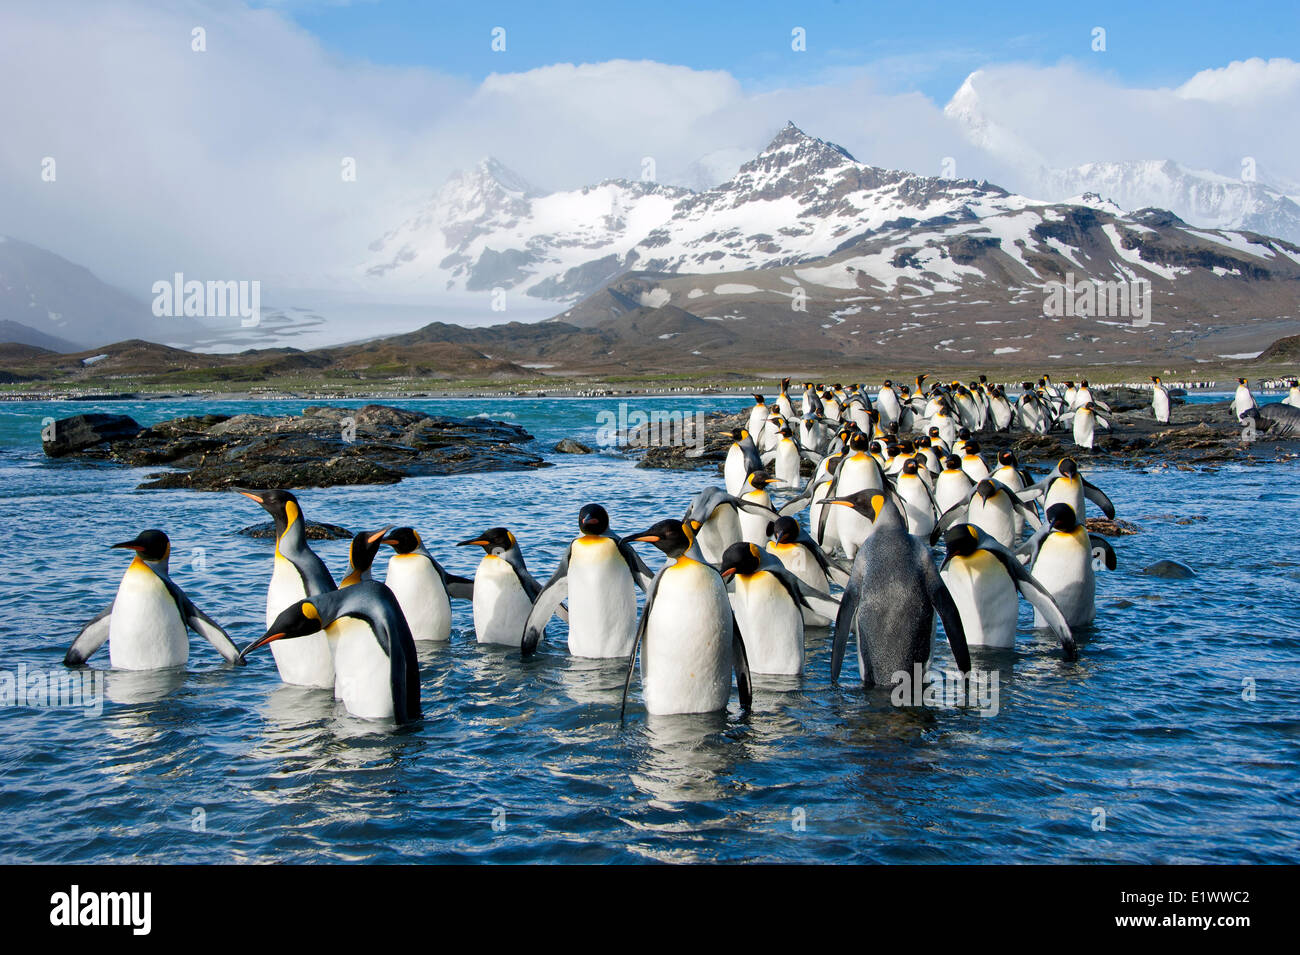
[1159,400]
[769,604]
[1065,485]
[361,555]
[890,602]
[504,590]
[983,577]
[145,625]
[742,458]
[1061,557]
[422,586]
[295,573]
[688,637]
[599,574]
[374,654]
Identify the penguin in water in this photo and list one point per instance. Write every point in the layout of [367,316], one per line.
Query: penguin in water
[890,602]
[799,553]
[993,508]
[422,586]
[760,512]
[1065,485]
[1061,558]
[146,623]
[917,500]
[374,653]
[688,637]
[504,590]
[295,573]
[769,603]
[361,555]
[953,485]
[1159,400]
[599,574]
[983,576]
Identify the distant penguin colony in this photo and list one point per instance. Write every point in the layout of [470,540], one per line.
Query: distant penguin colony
[746,572]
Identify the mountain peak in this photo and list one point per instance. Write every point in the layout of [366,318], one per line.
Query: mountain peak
[491,170]
[792,135]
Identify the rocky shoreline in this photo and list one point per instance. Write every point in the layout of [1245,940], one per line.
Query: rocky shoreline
[325,446]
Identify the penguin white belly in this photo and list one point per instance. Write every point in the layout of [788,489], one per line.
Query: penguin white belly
[753,526]
[501,607]
[734,472]
[1066,491]
[719,532]
[802,564]
[686,661]
[1085,427]
[950,488]
[986,598]
[916,506]
[787,463]
[975,469]
[827,537]
[602,600]
[421,595]
[1064,568]
[1011,478]
[770,623]
[302,661]
[757,419]
[994,518]
[1160,405]
[146,631]
[364,679]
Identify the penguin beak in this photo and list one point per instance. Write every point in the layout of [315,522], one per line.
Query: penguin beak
[251,496]
[378,536]
[644,537]
[259,642]
[134,545]
[472,541]
[728,572]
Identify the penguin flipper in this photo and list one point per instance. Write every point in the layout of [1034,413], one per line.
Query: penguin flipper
[1039,598]
[1108,553]
[948,518]
[459,587]
[545,604]
[844,622]
[636,642]
[1098,497]
[740,664]
[951,617]
[90,639]
[641,574]
[213,632]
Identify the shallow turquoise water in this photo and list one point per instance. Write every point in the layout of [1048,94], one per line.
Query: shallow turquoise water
[526,760]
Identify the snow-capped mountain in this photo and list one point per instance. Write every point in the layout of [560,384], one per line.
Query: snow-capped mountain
[801,198]
[1197,196]
[489,228]
[1200,197]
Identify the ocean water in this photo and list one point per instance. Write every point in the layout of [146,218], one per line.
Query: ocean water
[1173,738]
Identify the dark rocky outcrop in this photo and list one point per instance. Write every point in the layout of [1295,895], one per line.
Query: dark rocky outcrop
[322,447]
[88,435]
[315,531]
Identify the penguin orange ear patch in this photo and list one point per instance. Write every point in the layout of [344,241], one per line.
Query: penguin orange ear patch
[310,612]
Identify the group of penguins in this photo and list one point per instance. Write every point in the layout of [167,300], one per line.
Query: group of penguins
[891,475]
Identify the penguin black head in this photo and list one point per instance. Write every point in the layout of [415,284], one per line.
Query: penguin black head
[972,447]
[952,462]
[868,503]
[1241,381]
[892,450]
[739,434]
[962,540]
[299,620]
[361,554]
[759,400]
[151,545]
[593,519]
[1061,517]
[496,540]
[910,466]
[281,505]
[669,536]
[402,539]
[758,479]
[963,434]
[859,442]
[783,530]
[933,432]
[1156,379]
[986,489]
[786,433]
[740,558]
[1068,467]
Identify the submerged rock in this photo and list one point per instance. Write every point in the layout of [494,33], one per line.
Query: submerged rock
[1170,570]
[88,435]
[1108,528]
[315,531]
[569,446]
[325,446]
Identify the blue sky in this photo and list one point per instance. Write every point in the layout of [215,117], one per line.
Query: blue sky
[929,47]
